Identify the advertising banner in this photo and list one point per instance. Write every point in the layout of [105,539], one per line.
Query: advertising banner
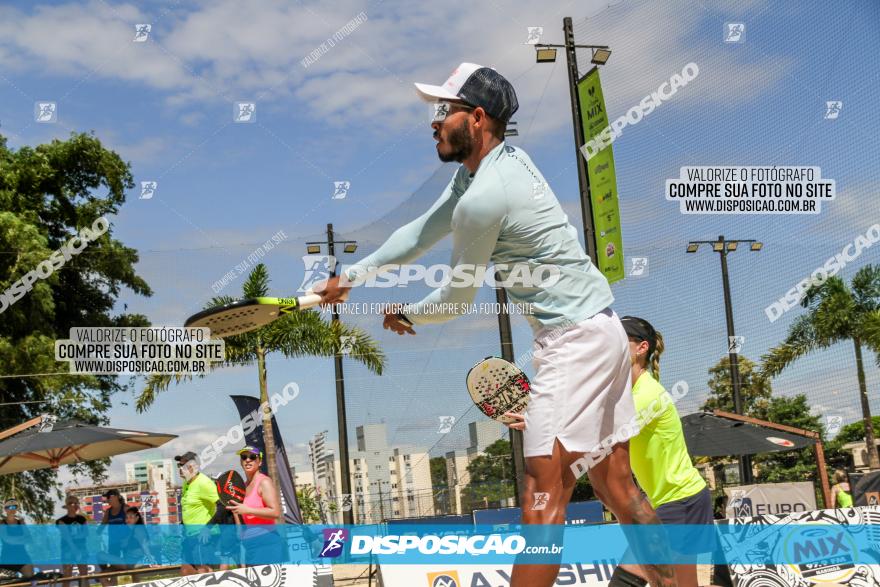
[578,512]
[770,498]
[843,549]
[595,574]
[259,576]
[603,182]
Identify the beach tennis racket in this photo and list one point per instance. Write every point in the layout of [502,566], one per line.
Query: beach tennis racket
[231,487]
[245,315]
[498,386]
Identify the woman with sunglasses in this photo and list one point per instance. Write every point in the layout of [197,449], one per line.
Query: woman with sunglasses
[260,509]
[660,460]
[14,541]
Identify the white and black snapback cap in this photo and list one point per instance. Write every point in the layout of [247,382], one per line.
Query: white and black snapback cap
[475,85]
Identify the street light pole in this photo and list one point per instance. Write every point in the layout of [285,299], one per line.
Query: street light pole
[745,461]
[723,246]
[577,124]
[516,436]
[381,501]
[728,311]
[341,420]
[579,139]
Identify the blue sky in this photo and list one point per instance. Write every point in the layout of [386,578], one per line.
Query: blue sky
[224,188]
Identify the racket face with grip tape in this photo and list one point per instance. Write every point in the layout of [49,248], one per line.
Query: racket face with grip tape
[497,386]
[231,486]
[250,314]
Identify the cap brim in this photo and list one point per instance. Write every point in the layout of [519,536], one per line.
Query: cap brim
[430,93]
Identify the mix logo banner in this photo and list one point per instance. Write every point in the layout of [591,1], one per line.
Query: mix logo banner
[826,556]
[603,182]
[595,574]
[259,576]
[771,498]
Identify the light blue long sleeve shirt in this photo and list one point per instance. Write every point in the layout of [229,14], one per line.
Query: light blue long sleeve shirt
[507,214]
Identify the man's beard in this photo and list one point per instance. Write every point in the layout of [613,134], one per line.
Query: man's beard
[461,143]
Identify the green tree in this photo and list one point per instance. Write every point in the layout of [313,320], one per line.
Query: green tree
[440,484]
[583,490]
[299,334]
[836,313]
[755,390]
[799,465]
[491,475]
[759,402]
[48,194]
[853,432]
[308,505]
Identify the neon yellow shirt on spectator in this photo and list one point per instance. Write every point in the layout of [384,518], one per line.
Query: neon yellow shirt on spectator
[658,454]
[198,500]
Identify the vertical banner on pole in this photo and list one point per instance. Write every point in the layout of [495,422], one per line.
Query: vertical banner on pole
[603,183]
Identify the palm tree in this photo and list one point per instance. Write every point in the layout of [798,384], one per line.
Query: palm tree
[299,334]
[835,313]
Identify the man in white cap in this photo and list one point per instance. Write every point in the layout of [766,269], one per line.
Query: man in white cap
[198,503]
[499,208]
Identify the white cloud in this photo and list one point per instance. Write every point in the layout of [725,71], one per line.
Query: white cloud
[366,78]
[75,39]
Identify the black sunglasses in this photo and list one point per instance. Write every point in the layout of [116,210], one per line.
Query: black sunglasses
[249,457]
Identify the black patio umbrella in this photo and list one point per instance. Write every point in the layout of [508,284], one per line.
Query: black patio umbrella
[71,442]
[708,435]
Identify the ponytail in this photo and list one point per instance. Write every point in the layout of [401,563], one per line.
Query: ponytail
[655,356]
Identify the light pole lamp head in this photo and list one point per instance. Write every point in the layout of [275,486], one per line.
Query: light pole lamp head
[600,56]
[545,54]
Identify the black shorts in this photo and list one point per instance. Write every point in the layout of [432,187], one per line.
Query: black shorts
[262,547]
[695,512]
[196,553]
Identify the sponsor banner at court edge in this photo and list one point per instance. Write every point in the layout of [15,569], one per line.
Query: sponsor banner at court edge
[456,545]
[778,499]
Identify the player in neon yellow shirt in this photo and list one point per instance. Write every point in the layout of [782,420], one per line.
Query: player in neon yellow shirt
[198,501]
[658,454]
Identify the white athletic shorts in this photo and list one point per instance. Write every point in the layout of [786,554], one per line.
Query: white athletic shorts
[581,392]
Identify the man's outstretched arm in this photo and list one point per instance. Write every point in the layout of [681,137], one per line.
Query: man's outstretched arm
[478,223]
[407,243]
